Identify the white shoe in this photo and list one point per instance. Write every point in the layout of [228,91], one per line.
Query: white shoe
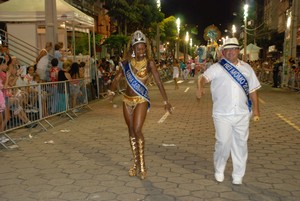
[237,181]
[219,177]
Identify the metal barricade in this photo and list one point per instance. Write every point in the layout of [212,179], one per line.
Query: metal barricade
[28,106]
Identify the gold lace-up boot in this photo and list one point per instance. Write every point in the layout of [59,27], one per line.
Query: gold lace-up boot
[134,148]
[143,173]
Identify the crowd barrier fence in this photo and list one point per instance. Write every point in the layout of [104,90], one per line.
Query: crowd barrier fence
[32,105]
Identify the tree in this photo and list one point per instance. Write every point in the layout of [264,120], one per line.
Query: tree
[169,33]
[82,43]
[116,42]
[135,14]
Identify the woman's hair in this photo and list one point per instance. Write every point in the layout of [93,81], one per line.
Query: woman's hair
[9,60]
[57,46]
[74,71]
[82,64]
[48,44]
[27,70]
[54,62]
[66,64]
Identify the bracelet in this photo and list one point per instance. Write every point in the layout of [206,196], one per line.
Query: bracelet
[166,102]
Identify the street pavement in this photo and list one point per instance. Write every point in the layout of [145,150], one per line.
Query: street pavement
[88,158]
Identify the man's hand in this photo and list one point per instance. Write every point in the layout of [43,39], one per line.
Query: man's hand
[255,118]
[199,93]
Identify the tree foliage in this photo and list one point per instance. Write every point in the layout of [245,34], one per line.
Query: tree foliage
[132,15]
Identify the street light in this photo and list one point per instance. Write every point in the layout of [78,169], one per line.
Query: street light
[157,33]
[158,5]
[187,38]
[233,29]
[178,25]
[178,31]
[245,30]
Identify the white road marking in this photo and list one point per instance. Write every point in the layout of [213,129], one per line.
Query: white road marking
[288,122]
[164,117]
[168,145]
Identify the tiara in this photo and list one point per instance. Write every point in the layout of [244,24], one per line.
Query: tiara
[138,37]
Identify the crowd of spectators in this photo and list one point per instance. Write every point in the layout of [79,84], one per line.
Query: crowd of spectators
[26,93]
[270,72]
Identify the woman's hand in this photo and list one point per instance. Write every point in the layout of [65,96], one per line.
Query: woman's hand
[168,107]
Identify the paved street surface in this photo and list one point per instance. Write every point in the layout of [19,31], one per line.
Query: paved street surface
[88,158]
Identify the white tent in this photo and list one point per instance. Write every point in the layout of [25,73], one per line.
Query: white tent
[34,11]
[25,19]
[252,52]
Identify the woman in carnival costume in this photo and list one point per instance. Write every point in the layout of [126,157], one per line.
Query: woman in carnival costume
[137,68]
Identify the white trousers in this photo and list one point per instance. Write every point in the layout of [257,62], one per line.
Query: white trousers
[232,133]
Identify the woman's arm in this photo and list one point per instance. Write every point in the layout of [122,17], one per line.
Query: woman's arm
[68,76]
[160,86]
[116,80]
[41,54]
[114,85]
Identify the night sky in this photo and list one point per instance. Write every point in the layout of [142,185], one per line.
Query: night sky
[204,13]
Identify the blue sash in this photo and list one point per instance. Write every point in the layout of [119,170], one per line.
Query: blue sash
[238,77]
[137,86]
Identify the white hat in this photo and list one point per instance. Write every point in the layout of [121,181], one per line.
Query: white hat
[230,43]
[138,37]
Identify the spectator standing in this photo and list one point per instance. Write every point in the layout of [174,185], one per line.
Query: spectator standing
[58,54]
[42,62]
[276,71]
[3,109]
[74,85]
[93,76]
[175,73]
[54,98]
[63,75]
[184,70]
[193,66]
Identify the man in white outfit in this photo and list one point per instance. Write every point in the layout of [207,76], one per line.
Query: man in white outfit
[233,87]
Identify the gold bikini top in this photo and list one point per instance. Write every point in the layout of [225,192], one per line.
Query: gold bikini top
[141,67]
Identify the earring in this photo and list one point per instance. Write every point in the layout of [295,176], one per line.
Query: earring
[133,54]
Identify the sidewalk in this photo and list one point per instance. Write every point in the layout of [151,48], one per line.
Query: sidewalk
[88,158]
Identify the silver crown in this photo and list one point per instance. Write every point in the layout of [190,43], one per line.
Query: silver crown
[138,37]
